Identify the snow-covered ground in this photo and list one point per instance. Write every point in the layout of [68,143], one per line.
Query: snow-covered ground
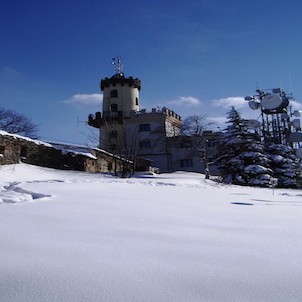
[71,236]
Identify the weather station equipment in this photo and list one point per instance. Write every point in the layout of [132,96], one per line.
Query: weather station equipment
[279,124]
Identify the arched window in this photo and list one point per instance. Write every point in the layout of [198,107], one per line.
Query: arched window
[113,93]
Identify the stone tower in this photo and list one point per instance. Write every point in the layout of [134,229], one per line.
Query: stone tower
[120,101]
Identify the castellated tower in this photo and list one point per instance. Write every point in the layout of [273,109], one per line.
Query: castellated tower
[120,95]
[120,100]
[131,132]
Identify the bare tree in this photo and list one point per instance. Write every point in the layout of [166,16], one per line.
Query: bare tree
[195,125]
[13,122]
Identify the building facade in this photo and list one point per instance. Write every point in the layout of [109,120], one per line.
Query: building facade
[128,131]
[134,133]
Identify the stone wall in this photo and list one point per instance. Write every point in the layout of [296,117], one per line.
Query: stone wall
[14,149]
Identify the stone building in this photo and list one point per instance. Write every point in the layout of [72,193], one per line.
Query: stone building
[134,133]
[129,132]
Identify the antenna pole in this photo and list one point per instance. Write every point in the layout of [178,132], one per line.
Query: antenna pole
[118,66]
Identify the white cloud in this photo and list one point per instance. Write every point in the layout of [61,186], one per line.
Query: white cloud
[186,100]
[296,105]
[85,99]
[236,101]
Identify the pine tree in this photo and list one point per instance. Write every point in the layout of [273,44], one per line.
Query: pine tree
[284,164]
[243,161]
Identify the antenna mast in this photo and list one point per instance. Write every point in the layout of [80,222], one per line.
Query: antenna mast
[118,66]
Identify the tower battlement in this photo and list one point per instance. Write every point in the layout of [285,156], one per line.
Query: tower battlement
[122,80]
[155,111]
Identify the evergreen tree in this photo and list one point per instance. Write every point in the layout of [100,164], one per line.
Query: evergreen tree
[242,159]
[284,164]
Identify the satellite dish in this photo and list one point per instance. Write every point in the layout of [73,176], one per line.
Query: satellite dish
[297,113]
[299,152]
[253,124]
[296,123]
[248,98]
[272,101]
[254,105]
[295,137]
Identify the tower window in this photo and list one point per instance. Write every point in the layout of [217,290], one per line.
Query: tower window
[113,107]
[136,101]
[113,93]
[144,127]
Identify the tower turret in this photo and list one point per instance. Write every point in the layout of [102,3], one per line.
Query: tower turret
[120,94]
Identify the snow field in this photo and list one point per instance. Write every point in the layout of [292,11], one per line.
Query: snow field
[70,236]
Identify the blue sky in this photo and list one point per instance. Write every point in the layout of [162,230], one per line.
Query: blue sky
[194,57]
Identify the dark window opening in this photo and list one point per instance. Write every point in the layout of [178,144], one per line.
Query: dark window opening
[144,127]
[113,93]
[113,107]
[136,101]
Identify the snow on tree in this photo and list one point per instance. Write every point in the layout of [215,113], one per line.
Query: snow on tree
[284,164]
[243,160]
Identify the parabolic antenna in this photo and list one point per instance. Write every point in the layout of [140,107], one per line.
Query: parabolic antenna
[253,124]
[254,105]
[248,98]
[296,123]
[274,101]
[299,152]
[297,113]
[295,137]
